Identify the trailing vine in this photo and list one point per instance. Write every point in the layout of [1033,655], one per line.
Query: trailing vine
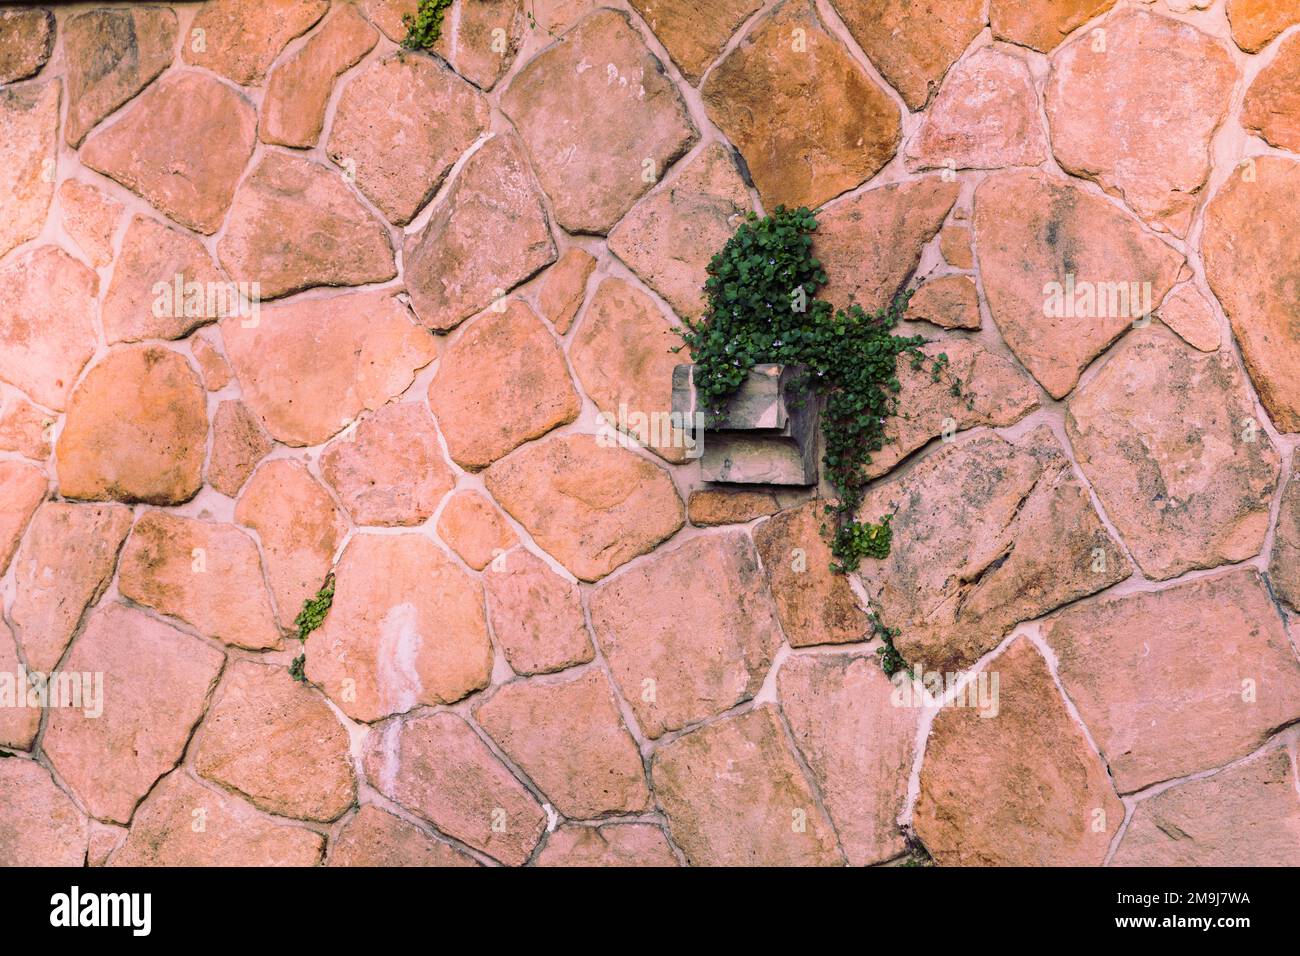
[309,618]
[423,29]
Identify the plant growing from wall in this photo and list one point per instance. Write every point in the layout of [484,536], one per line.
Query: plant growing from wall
[309,618]
[424,28]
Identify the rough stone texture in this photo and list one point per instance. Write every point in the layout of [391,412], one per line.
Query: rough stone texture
[1256,22]
[156,681]
[389,470]
[364,350]
[714,506]
[536,615]
[29,129]
[436,766]
[24,428]
[1060,230]
[474,528]
[374,837]
[470,43]
[1284,566]
[238,444]
[594,111]
[1273,102]
[615,844]
[388,15]
[701,655]
[90,218]
[1252,264]
[564,288]
[487,235]
[1161,433]
[1042,24]
[213,366]
[406,628]
[22,488]
[1188,313]
[694,34]
[242,39]
[18,722]
[39,824]
[1161,679]
[151,148]
[950,302]
[1114,113]
[954,243]
[26,42]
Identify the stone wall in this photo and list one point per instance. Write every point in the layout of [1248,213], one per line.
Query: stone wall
[281,305]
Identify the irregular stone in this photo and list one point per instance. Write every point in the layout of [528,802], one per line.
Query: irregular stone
[1060,231]
[90,218]
[572,743]
[112,54]
[594,131]
[615,844]
[389,470]
[365,351]
[1284,566]
[679,662]
[335,240]
[151,149]
[954,243]
[471,43]
[39,824]
[1160,433]
[164,832]
[22,488]
[536,615]
[591,506]
[389,15]
[18,721]
[670,235]
[475,529]
[556,16]
[1256,22]
[207,575]
[242,39]
[985,117]
[986,534]
[436,766]
[399,126]
[487,235]
[1187,313]
[24,428]
[406,628]
[527,393]
[26,42]
[1221,643]
[65,562]
[1252,265]
[276,742]
[1021,789]
[374,837]
[950,302]
[1042,24]
[293,110]
[105,838]
[735,796]
[238,444]
[564,288]
[157,681]
[29,132]
[1272,105]
[713,506]
[212,364]
[694,34]
[136,430]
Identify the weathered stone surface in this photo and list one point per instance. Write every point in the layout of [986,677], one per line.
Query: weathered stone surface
[238,444]
[374,837]
[1273,102]
[1177,681]
[39,824]
[536,615]
[713,506]
[702,654]
[593,130]
[151,149]
[389,470]
[18,722]
[22,488]
[277,743]
[487,235]
[809,123]
[299,527]
[213,367]
[615,844]
[571,742]
[364,350]
[136,430]
[24,428]
[1247,815]
[29,132]
[207,575]
[735,796]
[1160,433]
[954,243]
[1059,230]
[335,240]
[406,628]
[26,42]
[564,288]
[986,534]
[241,39]
[388,15]
[293,109]
[90,218]
[592,507]
[233,833]
[950,302]
[1023,788]
[1256,22]
[525,392]
[1113,113]
[156,681]
[65,562]
[437,767]
[1188,313]
[913,43]
[475,529]
[695,34]
[1042,24]
[112,54]
[985,117]
[895,222]
[1284,566]
[105,838]
[471,43]
[1252,264]
[669,236]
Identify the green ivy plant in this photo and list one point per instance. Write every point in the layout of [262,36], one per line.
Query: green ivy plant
[309,618]
[423,29]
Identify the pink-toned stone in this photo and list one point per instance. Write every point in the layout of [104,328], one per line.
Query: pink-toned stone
[536,615]
[695,34]
[29,132]
[238,444]
[90,218]
[1042,24]
[22,487]
[335,240]
[243,37]
[472,38]
[1284,565]
[488,234]
[152,149]
[1273,102]
[678,662]
[212,364]
[26,42]
[564,288]
[954,243]
[1188,313]
[615,844]
[734,795]
[950,302]
[105,838]
[293,110]
[591,506]
[39,824]
[1256,22]
[436,766]
[364,350]
[389,15]
[18,721]
[389,470]
[503,382]
[136,430]
[475,529]
[374,837]
[156,681]
[714,506]
[24,428]
[596,112]
[406,628]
